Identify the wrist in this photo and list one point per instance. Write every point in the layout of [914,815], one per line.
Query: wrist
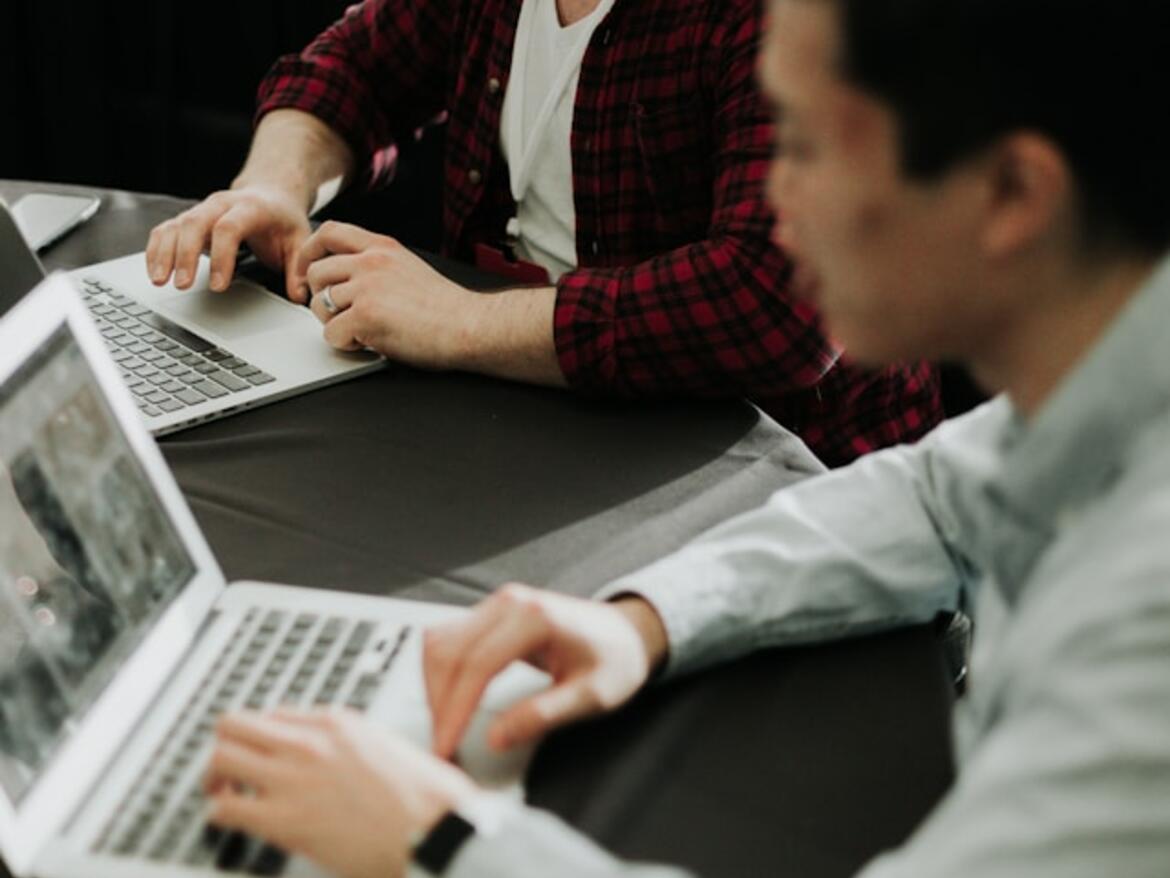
[509,334]
[299,156]
[650,627]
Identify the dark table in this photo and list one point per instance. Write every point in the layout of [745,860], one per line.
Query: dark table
[802,762]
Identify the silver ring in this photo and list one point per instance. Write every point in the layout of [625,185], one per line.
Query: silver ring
[327,299]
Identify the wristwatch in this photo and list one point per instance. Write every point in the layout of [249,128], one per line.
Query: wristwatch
[480,816]
[439,846]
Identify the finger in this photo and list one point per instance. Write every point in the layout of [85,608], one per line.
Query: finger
[342,296]
[330,271]
[293,282]
[232,809]
[332,238]
[538,715]
[194,230]
[160,252]
[322,717]
[230,230]
[236,763]
[513,638]
[261,732]
[444,646]
[342,329]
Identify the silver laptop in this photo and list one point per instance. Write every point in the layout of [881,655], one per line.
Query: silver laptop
[191,356]
[120,642]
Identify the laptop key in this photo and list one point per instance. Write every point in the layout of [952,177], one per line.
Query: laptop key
[211,389]
[177,333]
[260,378]
[170,405]
[228,380]
[189,396]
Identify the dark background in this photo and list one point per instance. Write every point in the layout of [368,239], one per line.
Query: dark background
[147,95]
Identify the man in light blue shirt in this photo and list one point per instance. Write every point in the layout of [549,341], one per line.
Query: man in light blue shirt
[960,181]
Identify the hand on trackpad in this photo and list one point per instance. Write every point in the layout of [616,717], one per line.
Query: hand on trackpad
[243,309]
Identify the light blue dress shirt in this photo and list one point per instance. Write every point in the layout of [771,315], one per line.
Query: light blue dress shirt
[1054,534]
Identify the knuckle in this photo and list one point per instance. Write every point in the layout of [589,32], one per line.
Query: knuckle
[362,307]
[379,258]
[514,593]
[229,226]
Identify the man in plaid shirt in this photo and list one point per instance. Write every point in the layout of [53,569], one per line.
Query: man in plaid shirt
[669,284]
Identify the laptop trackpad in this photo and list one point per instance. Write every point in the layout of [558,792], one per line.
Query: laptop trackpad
[242,310]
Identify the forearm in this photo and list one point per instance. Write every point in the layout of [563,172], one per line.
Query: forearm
[874,546]
[299,155]
[510,335]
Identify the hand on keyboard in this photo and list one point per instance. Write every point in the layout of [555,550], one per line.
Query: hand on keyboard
[270,222]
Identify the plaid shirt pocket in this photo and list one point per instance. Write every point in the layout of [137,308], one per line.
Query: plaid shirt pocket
[675,144]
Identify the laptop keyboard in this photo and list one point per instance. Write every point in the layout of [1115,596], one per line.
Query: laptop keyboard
[166,367]
[272,658]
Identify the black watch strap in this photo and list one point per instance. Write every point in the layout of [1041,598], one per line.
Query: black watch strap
[439,846]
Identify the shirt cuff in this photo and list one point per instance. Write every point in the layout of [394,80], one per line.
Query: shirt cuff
[525,843]
[669,587]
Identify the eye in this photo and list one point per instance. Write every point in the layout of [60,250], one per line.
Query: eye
[794,148]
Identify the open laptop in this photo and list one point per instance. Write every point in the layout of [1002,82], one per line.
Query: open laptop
[120,642]
[195,355]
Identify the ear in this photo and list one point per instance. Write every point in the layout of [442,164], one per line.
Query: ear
[1030,194]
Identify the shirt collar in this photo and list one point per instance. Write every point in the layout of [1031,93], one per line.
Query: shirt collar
[1070,451]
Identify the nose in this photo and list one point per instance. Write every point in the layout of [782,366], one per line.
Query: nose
[780,194]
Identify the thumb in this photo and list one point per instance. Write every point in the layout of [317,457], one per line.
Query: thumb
[534,717]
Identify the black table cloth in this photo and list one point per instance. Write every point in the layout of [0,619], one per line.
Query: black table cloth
[801,762]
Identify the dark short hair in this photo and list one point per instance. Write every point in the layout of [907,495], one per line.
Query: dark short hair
[1093,76]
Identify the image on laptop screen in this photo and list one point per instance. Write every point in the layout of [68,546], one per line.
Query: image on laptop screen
[89,558]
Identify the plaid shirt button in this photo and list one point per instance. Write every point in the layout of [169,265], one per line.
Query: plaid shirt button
[493,85]
[474,177]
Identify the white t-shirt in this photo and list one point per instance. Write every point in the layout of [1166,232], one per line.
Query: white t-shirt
[536,127]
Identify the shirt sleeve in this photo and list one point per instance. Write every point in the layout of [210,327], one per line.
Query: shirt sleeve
[713,317]
[874,546]
[534,844]
[1071,779]
[374,76]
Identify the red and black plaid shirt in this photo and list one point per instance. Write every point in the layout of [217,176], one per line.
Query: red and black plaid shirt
[678,290]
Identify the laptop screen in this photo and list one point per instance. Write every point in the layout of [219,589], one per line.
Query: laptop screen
[89,559]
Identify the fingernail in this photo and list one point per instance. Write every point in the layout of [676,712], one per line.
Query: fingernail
[182,277]
[216,281]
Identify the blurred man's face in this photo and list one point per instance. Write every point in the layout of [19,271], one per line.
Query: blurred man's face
[892,264]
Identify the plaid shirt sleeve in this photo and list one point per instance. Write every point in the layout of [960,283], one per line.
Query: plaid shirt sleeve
[375,76]
[713,317]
